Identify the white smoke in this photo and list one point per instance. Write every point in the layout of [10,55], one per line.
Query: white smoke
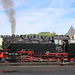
[8,7]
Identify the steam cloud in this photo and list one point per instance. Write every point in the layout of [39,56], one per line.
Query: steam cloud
[8,6]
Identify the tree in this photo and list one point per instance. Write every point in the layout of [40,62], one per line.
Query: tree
[30,34]
[46,34]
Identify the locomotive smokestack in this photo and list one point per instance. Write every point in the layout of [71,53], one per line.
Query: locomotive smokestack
[8,6]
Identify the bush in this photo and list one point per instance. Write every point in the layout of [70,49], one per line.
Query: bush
[1,46]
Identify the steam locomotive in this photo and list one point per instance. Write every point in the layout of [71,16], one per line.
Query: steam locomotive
[34,48]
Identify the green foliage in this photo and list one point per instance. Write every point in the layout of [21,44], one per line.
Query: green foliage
[43,34]
[46,34]
[0,46]
[30,34]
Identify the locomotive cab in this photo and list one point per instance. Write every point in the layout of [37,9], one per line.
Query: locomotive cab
[61,43]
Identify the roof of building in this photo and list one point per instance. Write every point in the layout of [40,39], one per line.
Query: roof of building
[71,32]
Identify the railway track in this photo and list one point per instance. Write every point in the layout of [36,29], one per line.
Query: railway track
[38,64]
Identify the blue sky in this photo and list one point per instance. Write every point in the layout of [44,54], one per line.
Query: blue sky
[34,16]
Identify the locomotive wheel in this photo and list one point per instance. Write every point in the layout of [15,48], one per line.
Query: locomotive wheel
[19,60]
[6,60]
[71,59]
[58,60]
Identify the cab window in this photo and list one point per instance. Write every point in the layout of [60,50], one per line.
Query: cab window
[60,42]
[56,41]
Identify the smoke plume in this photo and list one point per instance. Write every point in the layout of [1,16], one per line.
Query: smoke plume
[8,7]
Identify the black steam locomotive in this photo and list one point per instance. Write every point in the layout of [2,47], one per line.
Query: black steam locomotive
[34,48]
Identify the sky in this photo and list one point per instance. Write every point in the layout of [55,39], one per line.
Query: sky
[34,16]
